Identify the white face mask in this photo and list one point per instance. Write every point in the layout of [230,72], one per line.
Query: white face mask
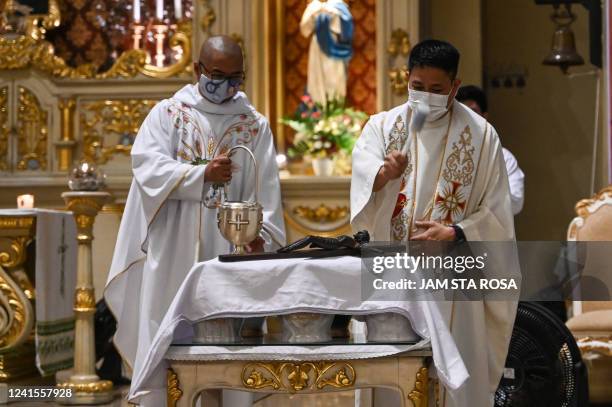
[427,106]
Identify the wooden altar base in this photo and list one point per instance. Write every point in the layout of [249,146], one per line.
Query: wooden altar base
[406,373]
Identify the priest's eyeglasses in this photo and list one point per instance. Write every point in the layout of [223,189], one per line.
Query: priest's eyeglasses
[235,80]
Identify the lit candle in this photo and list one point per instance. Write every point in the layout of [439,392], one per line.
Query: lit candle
[159,9]
[137,11]
[178,9]
[25,201]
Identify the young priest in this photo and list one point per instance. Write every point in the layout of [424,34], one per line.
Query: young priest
[432,169]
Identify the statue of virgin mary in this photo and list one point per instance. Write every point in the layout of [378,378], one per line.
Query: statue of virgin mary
[330,24]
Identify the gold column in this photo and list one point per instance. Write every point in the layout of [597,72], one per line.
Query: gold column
[17,355]
[87,388]
[66,144]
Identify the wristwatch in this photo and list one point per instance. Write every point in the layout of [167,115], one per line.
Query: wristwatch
[459,235]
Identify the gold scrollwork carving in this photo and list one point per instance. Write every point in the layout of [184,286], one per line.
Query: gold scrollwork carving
[420,394]
[4,128]
[120,118]
[84,300]
[15,253]
[16,313]
[601,345]
[295,377]
[584,207]
[174,390]
[85,211]
[100,386]
[209,16]
[399,45]
[322,213]
[32,132]
[26,51]
[293,224]
[37,24]
[399,80]
[180,41]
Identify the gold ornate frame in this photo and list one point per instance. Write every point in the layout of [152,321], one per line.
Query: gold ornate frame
[33,51]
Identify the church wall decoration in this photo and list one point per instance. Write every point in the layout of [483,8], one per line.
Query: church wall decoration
[4,128]
[109,127]
[32,132]
[398,49]
[361,85]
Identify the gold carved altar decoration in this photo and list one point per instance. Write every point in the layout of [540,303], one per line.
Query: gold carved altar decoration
[322,213]
[66,143]
[209,16]
[31,50]
[16,295]
[31,133]
[174,391]
[4,128]
[103,119]
[296,377]
[420,394]
[399,47]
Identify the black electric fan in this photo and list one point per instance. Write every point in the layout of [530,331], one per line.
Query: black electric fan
[543,367]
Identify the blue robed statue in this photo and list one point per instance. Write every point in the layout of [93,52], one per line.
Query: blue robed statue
[330,24]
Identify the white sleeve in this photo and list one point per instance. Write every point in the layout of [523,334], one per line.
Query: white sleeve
[370,210]
[516,177]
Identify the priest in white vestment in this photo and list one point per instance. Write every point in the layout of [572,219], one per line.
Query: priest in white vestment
[179,159]
[432,169]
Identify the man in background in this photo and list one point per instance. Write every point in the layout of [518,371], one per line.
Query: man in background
[475,98]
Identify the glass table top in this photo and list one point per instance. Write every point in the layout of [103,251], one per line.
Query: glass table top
[279,340]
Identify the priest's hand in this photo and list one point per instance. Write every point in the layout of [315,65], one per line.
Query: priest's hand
[256,246]
[218,170]
[434,231]
[393,168]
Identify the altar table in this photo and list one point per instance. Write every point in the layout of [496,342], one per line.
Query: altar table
[275,287]
[37,283]
[204,370]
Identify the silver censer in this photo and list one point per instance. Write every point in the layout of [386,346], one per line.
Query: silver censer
[240,221]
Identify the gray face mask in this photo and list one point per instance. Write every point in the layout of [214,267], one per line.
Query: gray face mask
[218,90]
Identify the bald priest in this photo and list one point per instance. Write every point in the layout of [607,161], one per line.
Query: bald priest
[179,159]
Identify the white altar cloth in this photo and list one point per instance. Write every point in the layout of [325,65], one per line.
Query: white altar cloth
[55,279]
[272,287]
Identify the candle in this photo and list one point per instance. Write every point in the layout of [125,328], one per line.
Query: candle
[159,9]
[25,201]
[178,9]
[137,11]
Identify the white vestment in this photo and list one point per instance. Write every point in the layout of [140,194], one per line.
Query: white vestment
[455,175]
[165,227]
[327,76]
[516,177]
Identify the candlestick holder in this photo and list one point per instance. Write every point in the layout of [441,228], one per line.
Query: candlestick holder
[159,35]
[137,35]
[86,386]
